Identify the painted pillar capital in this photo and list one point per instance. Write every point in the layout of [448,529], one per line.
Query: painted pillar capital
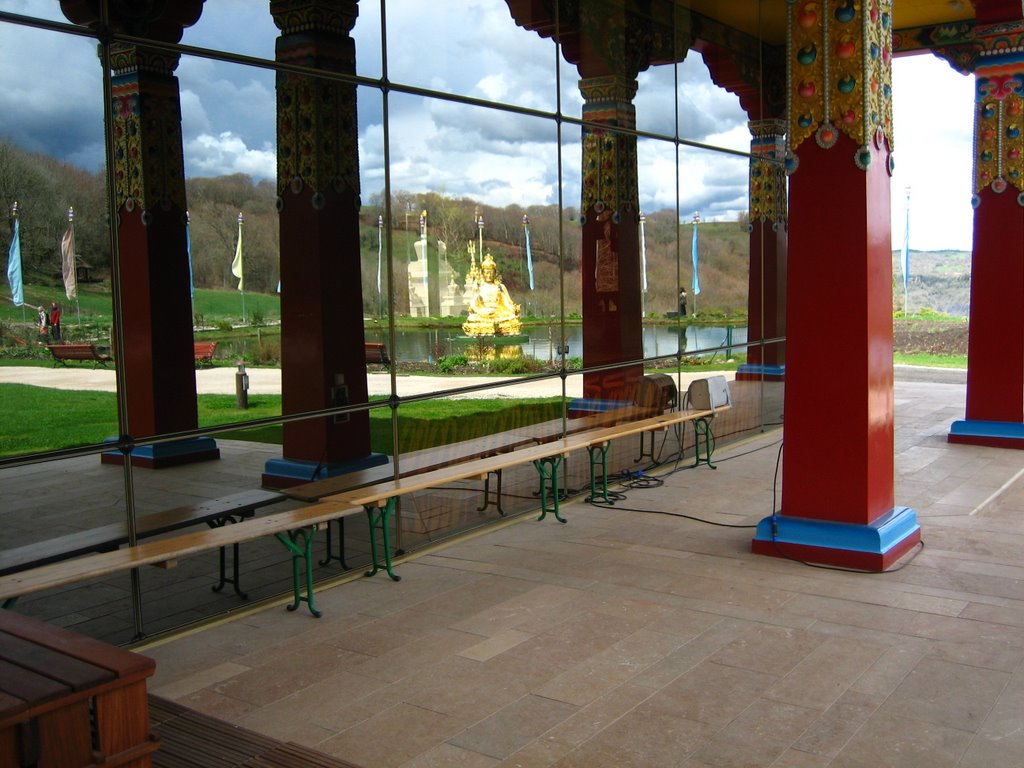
[767,171]
[609,157]
[317,142]
[839,74]
[311,16]
[999,109]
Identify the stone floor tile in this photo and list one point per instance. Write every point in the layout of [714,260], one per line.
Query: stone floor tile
[513,727]
[901,742]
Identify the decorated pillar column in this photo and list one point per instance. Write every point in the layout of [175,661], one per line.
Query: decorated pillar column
[610,261]
[322,355]
[837,484]
[766,294]
[995,352]
[152,272]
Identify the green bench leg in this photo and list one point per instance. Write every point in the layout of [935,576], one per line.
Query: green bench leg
[547,469]
[599,459]
[380,518]
[702,429]
[300,543]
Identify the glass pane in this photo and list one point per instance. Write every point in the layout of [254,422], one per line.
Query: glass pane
[473,49]
[459,199]
[709,114]
[234,26]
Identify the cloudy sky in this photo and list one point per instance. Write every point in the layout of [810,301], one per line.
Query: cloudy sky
[473,48]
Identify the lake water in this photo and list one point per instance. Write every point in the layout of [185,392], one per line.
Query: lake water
[426,345]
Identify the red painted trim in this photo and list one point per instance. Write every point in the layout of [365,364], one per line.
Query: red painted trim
[839,558]
[992,442]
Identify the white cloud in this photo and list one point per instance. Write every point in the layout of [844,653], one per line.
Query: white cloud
[933,146]
[226,153]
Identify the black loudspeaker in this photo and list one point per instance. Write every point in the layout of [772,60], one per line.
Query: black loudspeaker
[656,391]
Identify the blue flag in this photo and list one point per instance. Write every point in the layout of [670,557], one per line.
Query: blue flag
[696,280]
[906,251]
[14,266]
[188,250]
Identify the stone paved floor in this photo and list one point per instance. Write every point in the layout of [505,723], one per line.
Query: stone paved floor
[644,638]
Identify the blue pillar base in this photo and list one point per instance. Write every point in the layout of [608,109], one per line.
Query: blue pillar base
[871,547]
[997,434]
[751,371]
[284,473]
[161,455]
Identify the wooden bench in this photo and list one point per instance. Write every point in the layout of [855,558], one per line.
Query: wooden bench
[214,513]
[376,353]
[379,499]
[204,352]
[295,529]
[64,352]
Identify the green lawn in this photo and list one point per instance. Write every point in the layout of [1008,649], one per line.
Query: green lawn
[37,419]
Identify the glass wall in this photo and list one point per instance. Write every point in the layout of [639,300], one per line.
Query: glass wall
[506,301]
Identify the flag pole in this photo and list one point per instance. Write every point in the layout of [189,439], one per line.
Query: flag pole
[906,257]
[643,262]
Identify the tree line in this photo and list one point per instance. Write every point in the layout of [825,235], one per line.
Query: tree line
[46,188]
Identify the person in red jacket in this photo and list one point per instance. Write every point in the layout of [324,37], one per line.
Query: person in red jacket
[55,320]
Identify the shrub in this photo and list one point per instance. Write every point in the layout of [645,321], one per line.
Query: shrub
[448,363]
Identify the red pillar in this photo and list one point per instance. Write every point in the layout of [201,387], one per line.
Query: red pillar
[152,271]
[837,491]
[322,357]
[610,259]
[766,294]
[995,353]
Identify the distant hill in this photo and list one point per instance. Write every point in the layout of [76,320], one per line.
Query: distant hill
[940,280]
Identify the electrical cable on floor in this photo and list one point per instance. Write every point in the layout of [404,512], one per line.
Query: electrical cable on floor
[778,549]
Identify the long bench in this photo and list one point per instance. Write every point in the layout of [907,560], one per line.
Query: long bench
[64,352]
[294,528]
[214,513]
[379,499]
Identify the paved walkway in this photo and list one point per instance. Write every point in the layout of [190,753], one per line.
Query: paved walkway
[267,381]
[635,637]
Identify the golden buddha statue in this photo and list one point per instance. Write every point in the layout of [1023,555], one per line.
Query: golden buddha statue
[492,311]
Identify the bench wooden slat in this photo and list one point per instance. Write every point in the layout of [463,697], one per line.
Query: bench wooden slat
[379,493]
[161,550]
[107,537]
[204,351]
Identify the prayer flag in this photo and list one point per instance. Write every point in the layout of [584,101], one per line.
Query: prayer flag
[906,250]
[643,252]
[67,258]
[236,265]
[696,279]
[14,266]
[529,256]
[188,251]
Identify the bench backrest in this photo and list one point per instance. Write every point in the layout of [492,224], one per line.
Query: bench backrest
[73,351]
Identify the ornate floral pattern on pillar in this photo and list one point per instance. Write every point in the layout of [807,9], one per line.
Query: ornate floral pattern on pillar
[146,110]
[609,157]
[999,110]
[767,171]
[839,55]
[317,129]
